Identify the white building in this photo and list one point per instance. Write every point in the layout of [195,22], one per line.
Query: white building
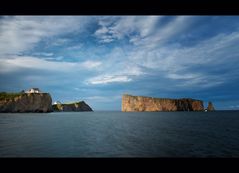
[33,90]
[57,102]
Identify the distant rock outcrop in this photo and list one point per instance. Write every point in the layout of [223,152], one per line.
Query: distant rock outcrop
[71,107]
[210,107]
[140,103]
[25,102]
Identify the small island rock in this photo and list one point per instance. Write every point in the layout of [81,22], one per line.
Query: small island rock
[210,107]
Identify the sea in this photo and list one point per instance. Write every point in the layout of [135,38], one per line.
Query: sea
[102,134]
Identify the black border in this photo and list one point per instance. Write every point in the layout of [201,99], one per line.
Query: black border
[119,7]
[120,164]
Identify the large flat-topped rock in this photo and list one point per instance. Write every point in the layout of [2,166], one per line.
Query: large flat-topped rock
[140,103]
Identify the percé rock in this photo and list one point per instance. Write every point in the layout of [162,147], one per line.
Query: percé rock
[210,107]
[140,104]
[71,107]
[26,102]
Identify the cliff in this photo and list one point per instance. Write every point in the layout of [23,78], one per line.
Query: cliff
[140,103]
[72,107]
[210,107]
[25,102]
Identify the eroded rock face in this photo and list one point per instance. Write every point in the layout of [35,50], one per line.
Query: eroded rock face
[73,107]
[140,103]
[210,107]
[27,102]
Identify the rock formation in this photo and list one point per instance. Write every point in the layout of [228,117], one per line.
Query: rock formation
[140,103]
[71,107]
[26,102]
[210,107]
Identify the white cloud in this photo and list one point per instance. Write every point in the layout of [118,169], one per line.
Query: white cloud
[21,62]
[116,68]
[59,41]
[185,66]
[43,54]
[117,28]
[166,32]
[101,31]
[21,33]
[234,106]
[127,74]
[76,47]
[141,30]
[91,64]
[182,76]
[16,63]
[191,66]
[105,79]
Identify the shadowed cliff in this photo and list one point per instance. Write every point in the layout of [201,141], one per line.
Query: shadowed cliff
[25,102]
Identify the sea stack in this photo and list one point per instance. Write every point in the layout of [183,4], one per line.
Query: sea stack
[140,104]
[210,107]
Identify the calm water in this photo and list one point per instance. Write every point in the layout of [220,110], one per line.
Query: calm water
[118,134]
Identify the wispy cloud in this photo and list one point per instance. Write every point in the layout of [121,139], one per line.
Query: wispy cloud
[165,33]
[59,42]
[89,64]
[128,26]
[184,66]
[193,65]
[43,54]
[21,33]
[18,63]
[234,106]
[108,79]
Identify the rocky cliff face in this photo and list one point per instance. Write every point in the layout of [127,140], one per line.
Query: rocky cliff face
[210,107]
[73,107]
[139,103]
[27,102]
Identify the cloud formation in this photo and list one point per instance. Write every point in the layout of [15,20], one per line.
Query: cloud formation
[21,33]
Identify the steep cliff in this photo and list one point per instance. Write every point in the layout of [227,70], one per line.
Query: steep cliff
[72,107]
[26,102]
[140,103]
[210,107]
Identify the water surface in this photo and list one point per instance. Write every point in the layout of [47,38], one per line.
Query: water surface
[120,134]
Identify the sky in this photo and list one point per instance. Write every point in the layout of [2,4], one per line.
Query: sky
[99,58]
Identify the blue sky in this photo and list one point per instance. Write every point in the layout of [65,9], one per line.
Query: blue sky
[99,58]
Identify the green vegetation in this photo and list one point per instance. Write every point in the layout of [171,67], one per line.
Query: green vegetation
[57,107]
[60,107]
[70,103]
[8,96]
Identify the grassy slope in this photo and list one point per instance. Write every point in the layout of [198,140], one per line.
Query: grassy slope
[8,96]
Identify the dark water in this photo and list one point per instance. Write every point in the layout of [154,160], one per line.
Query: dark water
[118,134]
